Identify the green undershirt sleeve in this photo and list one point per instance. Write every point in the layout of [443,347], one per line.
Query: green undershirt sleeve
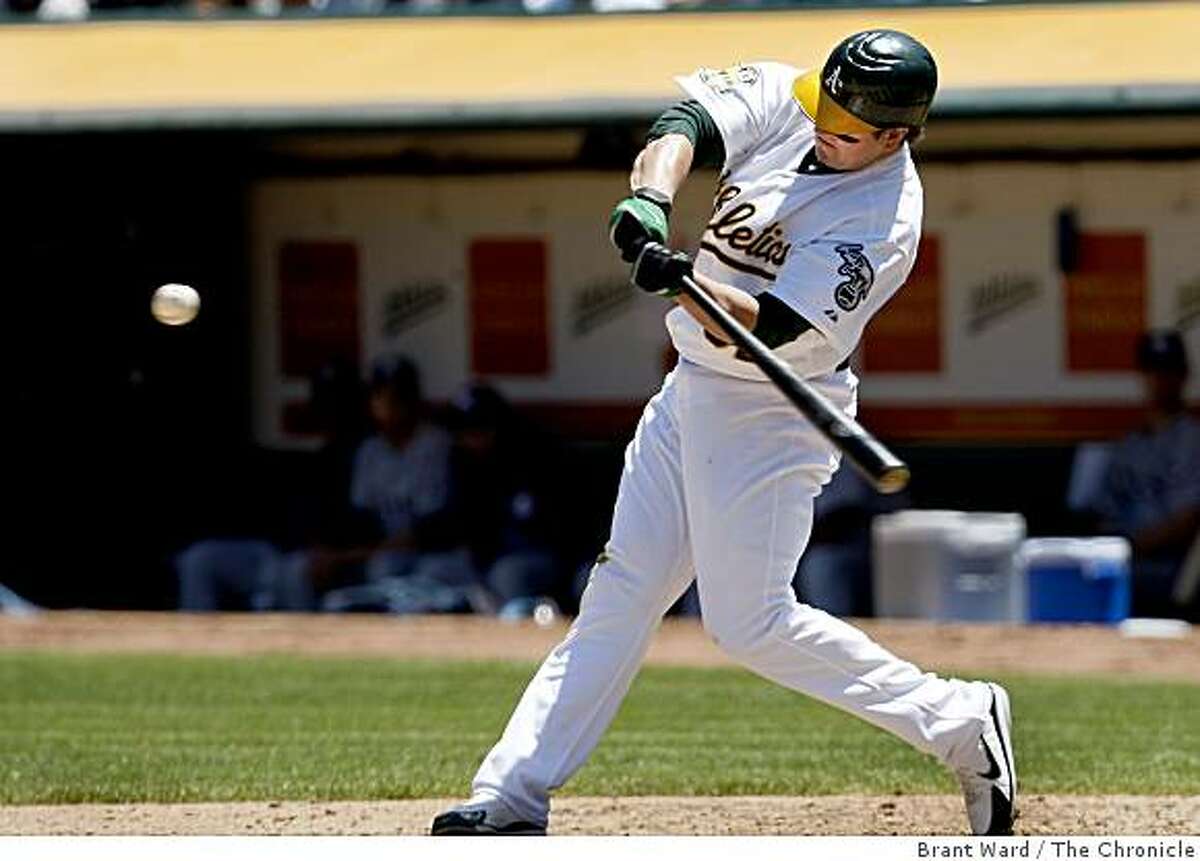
[690,119]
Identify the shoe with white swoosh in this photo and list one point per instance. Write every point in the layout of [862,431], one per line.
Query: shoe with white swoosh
[991,791]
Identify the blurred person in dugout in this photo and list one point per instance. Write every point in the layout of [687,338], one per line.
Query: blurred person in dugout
[1146,486]
[503,502]
[383,549]
[13,604]
[231,572]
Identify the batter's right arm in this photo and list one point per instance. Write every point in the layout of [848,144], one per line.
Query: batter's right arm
[683,136]
[658,172]
[663,165]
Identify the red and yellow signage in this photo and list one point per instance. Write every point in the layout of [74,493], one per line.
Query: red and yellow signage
[906,336]
[509,300]
[1105,302]
[318,305]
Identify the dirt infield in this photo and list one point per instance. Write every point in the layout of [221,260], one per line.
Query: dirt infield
[740,815]
[1076,649]
[1001,649]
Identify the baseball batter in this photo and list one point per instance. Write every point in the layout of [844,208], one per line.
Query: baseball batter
[815,224]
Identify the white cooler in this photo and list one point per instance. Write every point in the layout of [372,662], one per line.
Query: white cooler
[949,566]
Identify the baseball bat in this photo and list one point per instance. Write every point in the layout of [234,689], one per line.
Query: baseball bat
[886,472]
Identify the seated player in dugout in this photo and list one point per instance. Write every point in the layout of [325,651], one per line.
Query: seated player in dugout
[382,512]
[815,225]
[1149,490]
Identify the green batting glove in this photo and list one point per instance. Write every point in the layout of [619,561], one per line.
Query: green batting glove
[639,219]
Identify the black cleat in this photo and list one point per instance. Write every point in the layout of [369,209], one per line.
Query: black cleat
[479,819]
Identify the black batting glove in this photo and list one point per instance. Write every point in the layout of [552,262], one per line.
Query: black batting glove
[660,270]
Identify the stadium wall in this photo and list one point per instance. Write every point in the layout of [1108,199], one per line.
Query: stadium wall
[511,277]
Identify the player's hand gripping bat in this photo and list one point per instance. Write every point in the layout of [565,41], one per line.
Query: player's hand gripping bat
[883,469]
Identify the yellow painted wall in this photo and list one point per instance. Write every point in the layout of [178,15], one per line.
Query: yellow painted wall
[477,61]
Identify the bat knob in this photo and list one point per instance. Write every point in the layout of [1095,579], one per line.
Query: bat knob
[893,479]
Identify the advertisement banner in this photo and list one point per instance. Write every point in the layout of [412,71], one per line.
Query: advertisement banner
[508,307]
[1106,302]
[906,336]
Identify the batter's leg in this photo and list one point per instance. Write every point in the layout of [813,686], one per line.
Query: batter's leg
[752,468]
[575,694]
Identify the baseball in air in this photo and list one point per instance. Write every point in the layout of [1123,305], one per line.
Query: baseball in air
[175,304]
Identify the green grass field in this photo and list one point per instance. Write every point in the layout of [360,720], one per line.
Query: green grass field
[122,729]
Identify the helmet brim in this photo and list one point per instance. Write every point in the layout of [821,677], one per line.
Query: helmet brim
[826,114]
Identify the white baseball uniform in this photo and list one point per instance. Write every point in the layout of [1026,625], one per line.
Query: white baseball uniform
[720,477]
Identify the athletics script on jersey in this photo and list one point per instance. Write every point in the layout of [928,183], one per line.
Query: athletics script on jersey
[736,241]
[734,230]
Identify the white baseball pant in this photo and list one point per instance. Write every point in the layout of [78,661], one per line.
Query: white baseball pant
[718,485]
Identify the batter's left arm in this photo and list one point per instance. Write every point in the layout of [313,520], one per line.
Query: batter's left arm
[660,270]
[739,303]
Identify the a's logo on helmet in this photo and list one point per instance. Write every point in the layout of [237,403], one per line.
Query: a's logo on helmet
[859,275]
[834,82]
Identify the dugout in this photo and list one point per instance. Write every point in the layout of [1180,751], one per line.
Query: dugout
[403,156]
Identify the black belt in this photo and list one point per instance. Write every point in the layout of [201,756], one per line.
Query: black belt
[743,356]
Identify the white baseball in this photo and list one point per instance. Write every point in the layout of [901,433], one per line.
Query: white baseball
[175,304]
